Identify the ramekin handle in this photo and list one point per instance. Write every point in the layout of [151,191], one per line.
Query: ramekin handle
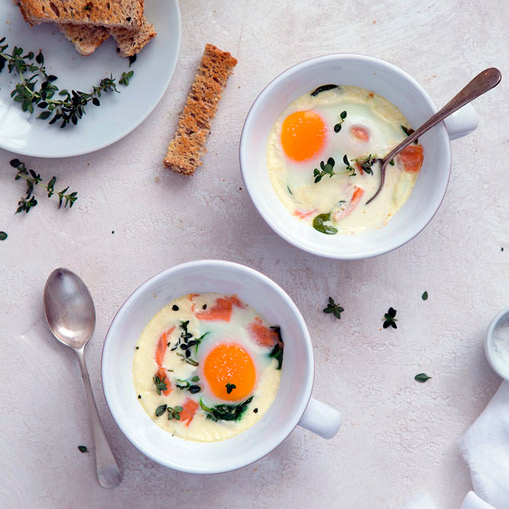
[321,419]
[462,122]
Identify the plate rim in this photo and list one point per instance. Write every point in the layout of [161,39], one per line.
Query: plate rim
[132,127]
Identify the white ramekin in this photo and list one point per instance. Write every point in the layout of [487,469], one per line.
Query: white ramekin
[293,404]
[399,88]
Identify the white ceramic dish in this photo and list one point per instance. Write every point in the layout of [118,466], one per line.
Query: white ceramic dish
[494,358]
[293,404]
[396,86]
[118,114]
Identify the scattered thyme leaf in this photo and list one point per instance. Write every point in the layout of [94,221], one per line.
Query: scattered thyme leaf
[174,413]
[83,448]
[160,410]
[422,378]
[408,132]
[33,179]
[390,319]
[230,387]
[3,235]
[126,76]
[278,350]
[424,296]
[334,308]
[226,412]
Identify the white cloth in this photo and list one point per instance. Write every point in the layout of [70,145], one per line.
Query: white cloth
[485,447]
[472,501]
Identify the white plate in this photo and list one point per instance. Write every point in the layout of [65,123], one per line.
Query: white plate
[118,114]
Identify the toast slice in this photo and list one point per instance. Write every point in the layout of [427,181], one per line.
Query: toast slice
[188,144]
[109,13]
[131,41]
[86,38]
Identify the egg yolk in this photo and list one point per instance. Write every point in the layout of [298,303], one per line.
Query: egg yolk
[230,372]
[303,135]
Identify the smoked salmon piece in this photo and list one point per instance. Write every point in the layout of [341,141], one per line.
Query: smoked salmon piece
[262,335]
[189,409]
[412,158]
[221,310]
[162,345]
[356,198]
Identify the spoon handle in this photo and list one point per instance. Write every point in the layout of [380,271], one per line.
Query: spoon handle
[108,473]
[483,82]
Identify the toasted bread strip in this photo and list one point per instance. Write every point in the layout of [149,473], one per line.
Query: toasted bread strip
[131,41]
[110,13]
[188,144]
[86,38]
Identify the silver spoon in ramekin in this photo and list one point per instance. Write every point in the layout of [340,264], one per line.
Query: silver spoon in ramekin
[484,81]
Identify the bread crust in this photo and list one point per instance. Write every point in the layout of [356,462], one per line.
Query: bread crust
[131,41]
[188,144]
[109,13]
[86,38]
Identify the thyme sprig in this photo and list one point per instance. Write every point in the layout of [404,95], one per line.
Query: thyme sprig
[334,308]
[36,88]
[366,163]
[342,117]
[327,168]
[390,319]
[33,179]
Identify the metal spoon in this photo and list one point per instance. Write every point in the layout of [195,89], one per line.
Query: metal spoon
[483,82]
[70,314]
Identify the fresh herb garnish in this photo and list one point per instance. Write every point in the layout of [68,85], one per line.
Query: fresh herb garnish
[390,319]
[174,413]
[186,385]
[255,410]
[326,169]
[289,190]
[160,384]
[391,162]
[366,163]
[139,396]
[334,308]
[126,76]
[230,387]
[132,59]
[278,350]
[408,132]
[32,179]
[160,410]
[82,448]
[36,88]
[204,307]
[175,307]
[323,88]
[226,412]
[424,296]
[349,168]
[318,224]
[422,378]
[342,117]
[3,235]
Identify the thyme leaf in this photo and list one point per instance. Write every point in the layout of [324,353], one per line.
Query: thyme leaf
[422,378]
[390,319]
[334,308]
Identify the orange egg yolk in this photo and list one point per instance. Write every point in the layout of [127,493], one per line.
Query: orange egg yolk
[303,135]
[229,365]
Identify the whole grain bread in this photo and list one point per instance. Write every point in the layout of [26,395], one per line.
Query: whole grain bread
[188,144]
[109,13]
[131,41]
[86,38]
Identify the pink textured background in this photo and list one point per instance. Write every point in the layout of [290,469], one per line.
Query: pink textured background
[399,437]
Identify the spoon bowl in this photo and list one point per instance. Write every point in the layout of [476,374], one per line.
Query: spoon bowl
[69,308]
[70,314]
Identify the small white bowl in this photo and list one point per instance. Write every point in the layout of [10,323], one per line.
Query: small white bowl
[494,358]
[391,83]
[293,404]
